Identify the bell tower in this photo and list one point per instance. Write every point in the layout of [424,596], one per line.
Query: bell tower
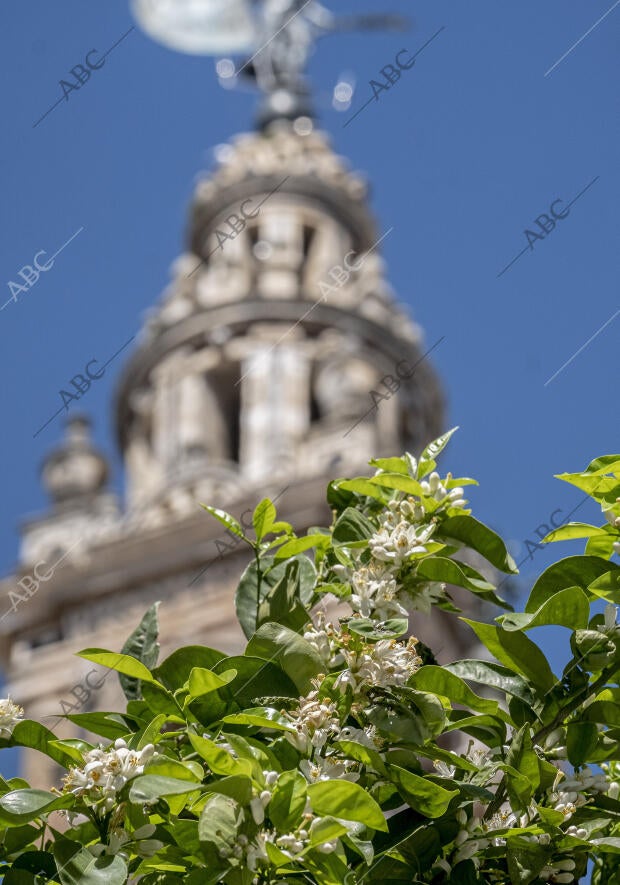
[276,359]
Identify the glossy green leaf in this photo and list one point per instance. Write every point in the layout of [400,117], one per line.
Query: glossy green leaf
[282,604]
[202,681]
[366,488]
[77,866]
[260,717]
[256,678]
[574,571]
[516,652]
[347,800]
[581,741]
[352,529]
[252,592]
[142,645]
[373,630]
[361,753]
[107,725]
[264,518]
[493,675]
[288,801]
[428,457]
[567,608]
[422,794]
[443,682]
[297,657]
[300,545]
[174,671]
[471,533]
[147,788]
[219,760]
[122,663]
[226,520]
[573,530]
[21,806]
[607,586]
[399,483]
[29,733]
[442,569]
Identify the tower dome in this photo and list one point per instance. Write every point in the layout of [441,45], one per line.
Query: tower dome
[267,353]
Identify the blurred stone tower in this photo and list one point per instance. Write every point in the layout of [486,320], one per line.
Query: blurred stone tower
[252,377]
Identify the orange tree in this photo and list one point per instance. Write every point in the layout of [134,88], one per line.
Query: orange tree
[321,753]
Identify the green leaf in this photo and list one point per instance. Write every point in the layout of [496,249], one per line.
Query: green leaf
[174,671]
[352,529]
[122,663]
[343,799]
[219,760]
[282,604]
[604,464]
[237,786]
[581,741]
[574,571]
[107,725]
[21,806]
[260,717]
[376,630]
[202,682]
[325,829]
[589,483]
[365,488]
[398,482]
[431,452]
[249,596]
[218,829]
[77,866]
[568,608]
[607,586]
[288,801]
[391,465]
[516,652]
[493,675]
[573,530]
[525,860]
[522,757]
[28,733]
[297,657]
[361,753]
[263,518]
[300,545]
[471,533]
[142,645]
[164,766]
[147,788]
[227,520]
[442,569]
[422,794]
[448,685]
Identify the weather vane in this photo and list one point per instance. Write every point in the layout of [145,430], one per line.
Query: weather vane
[274,39]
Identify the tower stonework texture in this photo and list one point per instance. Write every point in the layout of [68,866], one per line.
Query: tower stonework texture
[253,376]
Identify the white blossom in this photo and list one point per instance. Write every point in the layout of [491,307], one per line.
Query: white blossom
[10,715]
[375,592]
[383,664]
[315,721]
[327,769]
[106,772]
[397,544]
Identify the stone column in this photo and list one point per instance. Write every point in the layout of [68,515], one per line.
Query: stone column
[275,406]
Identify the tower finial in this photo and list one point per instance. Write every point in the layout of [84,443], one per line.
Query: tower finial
[276,36]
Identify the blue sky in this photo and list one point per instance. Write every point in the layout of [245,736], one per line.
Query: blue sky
[464,153]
